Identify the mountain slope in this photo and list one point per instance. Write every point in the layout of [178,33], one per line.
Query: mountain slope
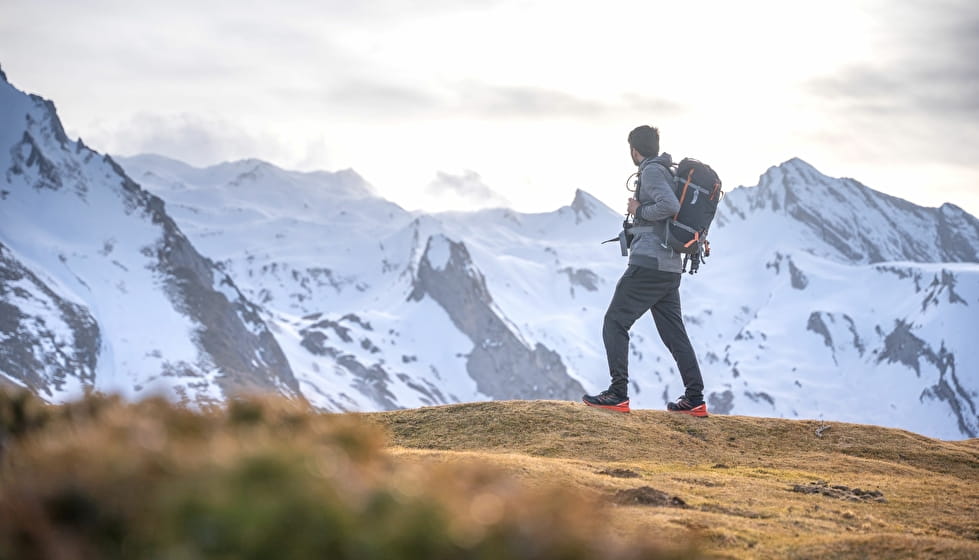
[100,288]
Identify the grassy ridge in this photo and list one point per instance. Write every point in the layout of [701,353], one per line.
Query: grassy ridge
[752,487]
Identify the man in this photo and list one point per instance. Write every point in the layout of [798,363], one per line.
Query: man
[650,283]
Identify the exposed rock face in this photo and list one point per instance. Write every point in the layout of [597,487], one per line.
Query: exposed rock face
[503,366]
[374,381]
[231,330]
[901,345]
[45,341]
[581,277]
[798,278]
[957,232]
[819,327]
[232,333]
[720,403]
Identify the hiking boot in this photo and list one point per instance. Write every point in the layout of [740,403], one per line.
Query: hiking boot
[607,400]
[683,405]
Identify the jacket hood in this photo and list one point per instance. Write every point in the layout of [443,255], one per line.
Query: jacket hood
[664,159]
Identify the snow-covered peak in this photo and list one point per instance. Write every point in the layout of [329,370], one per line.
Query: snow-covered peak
[843,219]
[953,211]
[794,181]
[16,111]
[31,136]
[586,206]
[795,168]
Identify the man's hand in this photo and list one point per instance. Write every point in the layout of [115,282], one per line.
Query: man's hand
[633,205]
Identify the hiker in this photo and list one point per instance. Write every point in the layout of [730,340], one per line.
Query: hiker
[650,283]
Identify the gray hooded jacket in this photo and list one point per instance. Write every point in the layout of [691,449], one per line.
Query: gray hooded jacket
[658,203]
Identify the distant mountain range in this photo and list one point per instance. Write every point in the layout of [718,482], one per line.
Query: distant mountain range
[823,298]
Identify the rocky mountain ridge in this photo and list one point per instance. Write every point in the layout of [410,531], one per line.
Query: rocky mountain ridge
[92,265]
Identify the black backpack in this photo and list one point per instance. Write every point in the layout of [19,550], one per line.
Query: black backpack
[698,188]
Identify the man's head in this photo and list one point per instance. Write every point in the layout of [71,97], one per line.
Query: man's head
[644,143]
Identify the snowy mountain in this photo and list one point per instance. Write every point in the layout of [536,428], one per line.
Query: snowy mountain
[823,298]
[99,288]
[847,221]
[376,307]
[854,305]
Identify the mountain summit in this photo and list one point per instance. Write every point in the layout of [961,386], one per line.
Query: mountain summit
[848,221]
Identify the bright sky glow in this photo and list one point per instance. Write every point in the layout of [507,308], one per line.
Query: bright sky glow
[464,103]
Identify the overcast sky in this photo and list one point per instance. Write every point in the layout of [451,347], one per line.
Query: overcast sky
[468,103]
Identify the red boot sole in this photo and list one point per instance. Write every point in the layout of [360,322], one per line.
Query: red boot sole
[624,407]
[698,411]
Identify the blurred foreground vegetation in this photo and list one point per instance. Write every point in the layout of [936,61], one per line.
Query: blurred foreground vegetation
[264,478]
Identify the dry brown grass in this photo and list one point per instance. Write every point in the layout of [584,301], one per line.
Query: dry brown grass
[734,474]
[269,478]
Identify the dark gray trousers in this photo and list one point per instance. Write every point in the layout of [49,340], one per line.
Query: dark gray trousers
[644,289]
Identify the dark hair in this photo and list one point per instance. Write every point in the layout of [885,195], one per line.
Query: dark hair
[645,139]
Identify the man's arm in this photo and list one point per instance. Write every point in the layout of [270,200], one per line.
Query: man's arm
[656,198]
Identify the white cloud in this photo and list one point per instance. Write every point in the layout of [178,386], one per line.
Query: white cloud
[463,191]
[197,140]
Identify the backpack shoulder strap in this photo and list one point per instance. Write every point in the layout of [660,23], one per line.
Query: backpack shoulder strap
[686,186]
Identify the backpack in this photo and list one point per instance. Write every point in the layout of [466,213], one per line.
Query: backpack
[698,188]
